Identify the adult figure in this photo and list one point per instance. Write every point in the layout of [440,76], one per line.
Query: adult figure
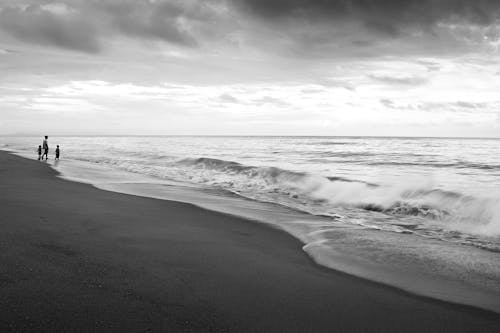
[45,148]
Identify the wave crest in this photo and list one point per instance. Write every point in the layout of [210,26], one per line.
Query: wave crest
[323,195]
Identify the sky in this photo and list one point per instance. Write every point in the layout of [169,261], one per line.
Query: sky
[250,67]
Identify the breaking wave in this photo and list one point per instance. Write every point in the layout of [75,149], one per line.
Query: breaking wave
[416,198]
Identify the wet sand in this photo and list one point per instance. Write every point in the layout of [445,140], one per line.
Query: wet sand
[76,258]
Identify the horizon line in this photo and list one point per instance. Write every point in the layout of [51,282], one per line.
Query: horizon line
[251,135]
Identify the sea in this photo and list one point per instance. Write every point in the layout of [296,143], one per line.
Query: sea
[417,214]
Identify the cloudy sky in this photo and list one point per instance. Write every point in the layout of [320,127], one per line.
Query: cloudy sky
[250,67]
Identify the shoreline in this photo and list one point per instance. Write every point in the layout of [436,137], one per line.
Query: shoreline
[78,257]
[424,267]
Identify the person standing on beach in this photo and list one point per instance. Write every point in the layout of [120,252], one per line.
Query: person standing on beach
[39,153]
[45,148]
[57,153]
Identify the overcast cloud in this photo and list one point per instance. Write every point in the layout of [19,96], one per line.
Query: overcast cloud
[326,67]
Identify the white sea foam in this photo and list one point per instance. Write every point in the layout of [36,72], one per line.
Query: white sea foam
[414,197]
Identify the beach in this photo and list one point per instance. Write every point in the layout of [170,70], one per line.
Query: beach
[76,258]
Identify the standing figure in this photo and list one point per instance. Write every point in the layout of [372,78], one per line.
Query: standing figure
[45,148]
[39,152]
[57,153]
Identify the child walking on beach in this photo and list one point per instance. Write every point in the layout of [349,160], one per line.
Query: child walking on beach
[57,152]
[39,153]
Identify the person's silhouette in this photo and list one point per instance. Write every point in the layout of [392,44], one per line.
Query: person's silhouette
[57,152]
[39,153]
[45,148]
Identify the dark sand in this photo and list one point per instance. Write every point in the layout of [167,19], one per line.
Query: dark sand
[75,258]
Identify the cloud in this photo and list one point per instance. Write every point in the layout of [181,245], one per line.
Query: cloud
[387,102]
[38,24]
[163,20]
[385,15]
[401,79]
[270,100]
[227,98]
[431,66]
[4,51]
[471,105]
[296,28]
[371,28]
[85,25]
[464,107]
[336,83]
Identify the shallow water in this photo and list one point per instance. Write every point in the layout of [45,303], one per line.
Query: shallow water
[419,214]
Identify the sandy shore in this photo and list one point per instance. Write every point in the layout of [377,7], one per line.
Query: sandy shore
[75,258]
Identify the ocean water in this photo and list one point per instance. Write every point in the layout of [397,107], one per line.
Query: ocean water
[382,208]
